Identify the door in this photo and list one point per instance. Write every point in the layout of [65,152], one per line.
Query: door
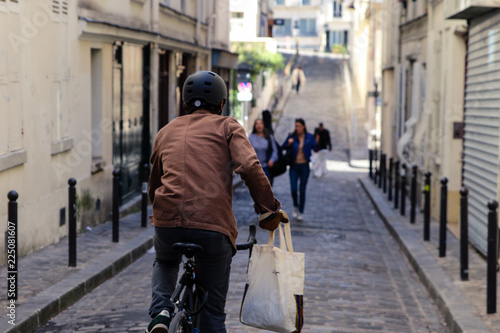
[128,115]
[481,122]
[163,89]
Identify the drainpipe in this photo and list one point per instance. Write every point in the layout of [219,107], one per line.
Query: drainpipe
[155,14]
[198,22]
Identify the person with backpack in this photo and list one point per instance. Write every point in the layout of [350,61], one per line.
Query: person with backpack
[265,147]
[301,144]
[191,190]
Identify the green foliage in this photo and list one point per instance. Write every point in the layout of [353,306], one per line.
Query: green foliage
[338,48]
[259,58]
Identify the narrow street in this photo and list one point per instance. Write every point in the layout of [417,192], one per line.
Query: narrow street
[357,279]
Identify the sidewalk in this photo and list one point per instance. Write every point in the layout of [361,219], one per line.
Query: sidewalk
[462,303]
[47,286]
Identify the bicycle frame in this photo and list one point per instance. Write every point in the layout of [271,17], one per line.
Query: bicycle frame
[189,302]
[188,297]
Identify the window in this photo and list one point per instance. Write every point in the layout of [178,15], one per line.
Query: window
[306,2]
[237,15]
[283,30]
[307,27]
[340,37]
[337,9]
[60,10]
[279,2]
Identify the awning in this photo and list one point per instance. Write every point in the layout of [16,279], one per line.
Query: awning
[224,59]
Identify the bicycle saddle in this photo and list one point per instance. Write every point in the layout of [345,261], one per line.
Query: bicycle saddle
[188,249]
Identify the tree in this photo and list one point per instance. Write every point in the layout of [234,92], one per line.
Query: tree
[259,58]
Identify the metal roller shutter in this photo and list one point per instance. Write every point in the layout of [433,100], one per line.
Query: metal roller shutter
[481,117]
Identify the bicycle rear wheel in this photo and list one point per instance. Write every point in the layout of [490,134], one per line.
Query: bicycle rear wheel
[180,324]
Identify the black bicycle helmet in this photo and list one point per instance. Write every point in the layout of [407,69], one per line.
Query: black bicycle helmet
[204,86]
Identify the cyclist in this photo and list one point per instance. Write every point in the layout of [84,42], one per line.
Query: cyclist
[190,186]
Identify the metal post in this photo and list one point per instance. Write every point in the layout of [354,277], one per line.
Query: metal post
[464,235]
[427,206]
[144,206]
[72,222]
[116,204]
[389,178]
[491,286]
[381,170]
[413,194]
[384,174]
[443,217]
[403,190]
[375,159]
[396,184]
[370,157]
[12,253]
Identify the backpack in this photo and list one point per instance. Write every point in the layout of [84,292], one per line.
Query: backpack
[279,167]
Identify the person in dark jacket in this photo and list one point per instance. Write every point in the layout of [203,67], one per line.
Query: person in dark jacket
[322,135]
[302,144]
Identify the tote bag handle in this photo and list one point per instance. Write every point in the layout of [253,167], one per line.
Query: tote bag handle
[285,237]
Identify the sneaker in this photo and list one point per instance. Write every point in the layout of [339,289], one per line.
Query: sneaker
[300,217]
[295,212]
[160,323]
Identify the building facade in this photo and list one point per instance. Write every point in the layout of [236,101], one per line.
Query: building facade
[85,86]
[440,107]
[481,109]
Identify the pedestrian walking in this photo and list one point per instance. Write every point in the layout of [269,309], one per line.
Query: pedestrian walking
[268,121]
[265,146]
[302,144]
[322,136]
[190,186]
[298,78]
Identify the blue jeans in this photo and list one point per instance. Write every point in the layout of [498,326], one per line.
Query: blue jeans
[214,266]
[299,172]
[268,174]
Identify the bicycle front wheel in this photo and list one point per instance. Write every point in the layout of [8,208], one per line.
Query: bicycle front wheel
[180,324]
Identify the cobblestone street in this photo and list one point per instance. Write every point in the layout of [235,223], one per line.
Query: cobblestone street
[357,278]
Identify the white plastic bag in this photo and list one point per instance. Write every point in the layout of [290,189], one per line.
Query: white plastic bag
[316,168]
[273,298]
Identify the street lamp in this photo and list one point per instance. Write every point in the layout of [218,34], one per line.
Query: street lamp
[296,30]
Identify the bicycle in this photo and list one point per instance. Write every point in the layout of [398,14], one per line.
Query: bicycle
[188,297]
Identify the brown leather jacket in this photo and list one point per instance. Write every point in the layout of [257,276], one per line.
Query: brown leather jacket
[191,181]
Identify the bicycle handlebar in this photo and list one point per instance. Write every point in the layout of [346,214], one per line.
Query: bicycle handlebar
[250,241]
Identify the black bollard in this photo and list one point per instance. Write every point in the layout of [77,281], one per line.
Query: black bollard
[396,184]
[389,179]
[443,217]
[72,222]
[464,235]
[427,206]
[116,205]
[11,239]
[144,205]
[381,169]
[384,173]
[370,158]
[491,286]
[413,194]
[375,160]
[402,183]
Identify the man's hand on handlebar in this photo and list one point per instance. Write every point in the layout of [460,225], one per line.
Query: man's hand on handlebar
[270,221]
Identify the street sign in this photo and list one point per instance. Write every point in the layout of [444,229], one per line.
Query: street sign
[279,21]
[244,96]
[245,86]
